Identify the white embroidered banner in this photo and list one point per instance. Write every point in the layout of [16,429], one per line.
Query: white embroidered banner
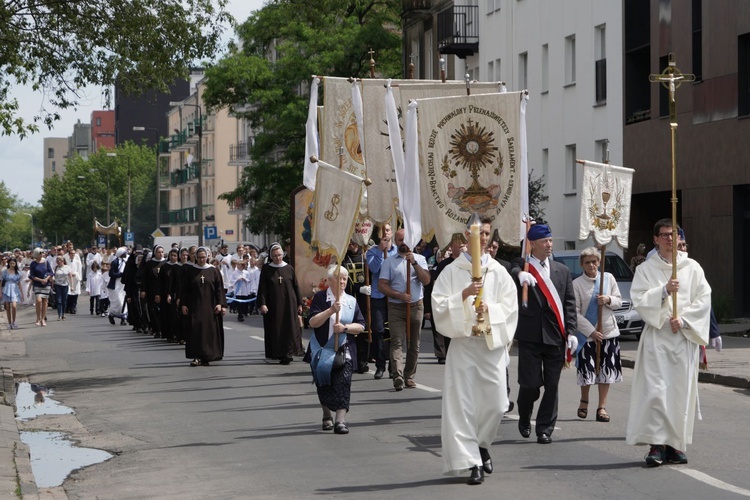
[605,203]
[336,207]
[470,153]
[410,91]
[339,137]
[312,143]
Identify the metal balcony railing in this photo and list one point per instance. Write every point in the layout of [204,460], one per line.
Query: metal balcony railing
[458,30]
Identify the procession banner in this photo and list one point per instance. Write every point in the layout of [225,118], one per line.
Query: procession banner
[339,132]
[337,199]
[470,161]
[312,142]
[605,203]
[112,229]
[411,91]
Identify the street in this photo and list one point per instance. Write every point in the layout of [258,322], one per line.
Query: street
[245,427]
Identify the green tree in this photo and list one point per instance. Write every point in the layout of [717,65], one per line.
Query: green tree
[327,37]
[60,46]
[71,202]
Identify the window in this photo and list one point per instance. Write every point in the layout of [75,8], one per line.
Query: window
[570,169]
[98,121]
[743,75]
[523,59]
[545,68]
[600,64]
[50,152]
[698,39]
[498,74]
[490,70]
[637,87]
[545,170]
[54,165]
[601,153]
[570,60]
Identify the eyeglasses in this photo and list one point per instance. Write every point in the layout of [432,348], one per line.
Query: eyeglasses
[666,235]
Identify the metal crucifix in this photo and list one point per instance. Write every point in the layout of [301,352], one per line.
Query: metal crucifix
[672,78]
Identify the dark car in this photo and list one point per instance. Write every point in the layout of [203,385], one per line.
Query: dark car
[628,319]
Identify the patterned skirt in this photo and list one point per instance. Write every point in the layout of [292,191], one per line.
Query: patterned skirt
[42,291]
[336,395]
[610,367]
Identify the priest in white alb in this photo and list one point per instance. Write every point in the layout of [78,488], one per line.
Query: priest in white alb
[664,396]
[475,393]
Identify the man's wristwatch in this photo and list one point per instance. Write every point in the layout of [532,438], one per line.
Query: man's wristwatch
[346,329]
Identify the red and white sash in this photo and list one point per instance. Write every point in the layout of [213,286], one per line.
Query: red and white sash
[549,291]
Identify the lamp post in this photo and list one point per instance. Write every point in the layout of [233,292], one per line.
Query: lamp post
[32,229]
[158,178]
[198,152]
[109,221]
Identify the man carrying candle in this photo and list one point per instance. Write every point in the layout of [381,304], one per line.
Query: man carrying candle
[545,327]
[474,393]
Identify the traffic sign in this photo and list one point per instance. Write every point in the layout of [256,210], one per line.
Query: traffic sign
[101,240]
[129,237]
[157,233]
[210,233]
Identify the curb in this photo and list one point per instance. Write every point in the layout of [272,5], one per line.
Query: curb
[20,452]
[706,376]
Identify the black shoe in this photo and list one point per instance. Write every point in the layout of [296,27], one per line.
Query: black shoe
[510,407]
[486,460]
[240,318]
[363,368]
[111,320]
[543,438]
[524,428]
[441,361]
[285,361]
[379,373]
[123,322]
[327,424]
[477,476]
[340,428]
[675,456]
[656,456]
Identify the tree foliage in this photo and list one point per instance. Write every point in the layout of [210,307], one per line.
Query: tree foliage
[71,202]
[61,46]
[282,45]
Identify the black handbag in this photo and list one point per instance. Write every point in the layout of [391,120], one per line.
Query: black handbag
[339,359]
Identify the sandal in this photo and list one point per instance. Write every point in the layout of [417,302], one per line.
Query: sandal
[195,362]
[602,415]
[327,423]
[583,412]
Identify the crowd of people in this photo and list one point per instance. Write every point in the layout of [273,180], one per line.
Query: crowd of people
[183,294]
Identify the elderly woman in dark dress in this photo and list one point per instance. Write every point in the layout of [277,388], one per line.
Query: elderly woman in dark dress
[333,311]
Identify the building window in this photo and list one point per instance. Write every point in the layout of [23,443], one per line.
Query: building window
[698,39]
[523,60]
[498,74]
[490,70]
[98,121]
[600,63]
[743,75]
[637,61]
[545,68]
[545,170]
[600,151]
[570,60]
[54,165]
[571,185]
[50,152]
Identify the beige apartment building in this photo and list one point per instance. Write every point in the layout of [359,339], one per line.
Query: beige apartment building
[55,154]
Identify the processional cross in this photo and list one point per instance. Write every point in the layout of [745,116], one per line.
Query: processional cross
[672,78]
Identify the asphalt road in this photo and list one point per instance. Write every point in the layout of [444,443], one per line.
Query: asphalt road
[248,428]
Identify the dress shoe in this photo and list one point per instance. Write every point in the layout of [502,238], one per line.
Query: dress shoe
[363,368]
[510,407]
[486,460]
[285,361]
[340,428]
[524,429]
[477,475]
[111,320]
[379,374]
[543,438]
[411,384]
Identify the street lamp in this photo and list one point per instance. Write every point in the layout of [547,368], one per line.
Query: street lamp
[158,178]
[32,229]
[109,174]
[198,152]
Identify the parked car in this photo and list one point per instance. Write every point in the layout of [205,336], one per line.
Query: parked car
[628,320]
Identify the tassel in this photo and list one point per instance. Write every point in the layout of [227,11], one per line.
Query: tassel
[703,365]
[568,359]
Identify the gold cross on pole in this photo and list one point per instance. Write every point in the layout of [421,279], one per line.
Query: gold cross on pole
[672,78]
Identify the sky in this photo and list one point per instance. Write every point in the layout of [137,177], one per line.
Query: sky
[22,165]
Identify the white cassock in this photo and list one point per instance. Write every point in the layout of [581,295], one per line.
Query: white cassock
[665,379]
[475,392]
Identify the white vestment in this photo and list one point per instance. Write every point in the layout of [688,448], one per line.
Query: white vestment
[475,392]
[665,379]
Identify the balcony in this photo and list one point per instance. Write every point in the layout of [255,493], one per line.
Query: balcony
[190,215]
[412,8]
[184,175]
[238,207]
[238,155]
[458,30]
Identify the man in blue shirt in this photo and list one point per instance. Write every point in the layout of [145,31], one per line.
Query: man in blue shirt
[392,283]
[378,302]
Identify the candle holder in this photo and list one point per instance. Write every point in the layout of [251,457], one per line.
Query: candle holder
[480,328]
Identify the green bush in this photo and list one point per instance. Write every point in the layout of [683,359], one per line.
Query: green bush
[723,305]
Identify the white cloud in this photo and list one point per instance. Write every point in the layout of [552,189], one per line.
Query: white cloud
[21,161]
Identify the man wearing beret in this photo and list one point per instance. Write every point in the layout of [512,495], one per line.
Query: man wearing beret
[546,326]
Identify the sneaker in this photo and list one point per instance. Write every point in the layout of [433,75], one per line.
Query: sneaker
[676,456]
[656,456]
[398,383]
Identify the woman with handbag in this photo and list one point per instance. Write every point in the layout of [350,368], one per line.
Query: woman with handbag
[336,319]
[41,276]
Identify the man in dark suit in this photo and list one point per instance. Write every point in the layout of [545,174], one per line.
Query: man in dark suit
[545,328]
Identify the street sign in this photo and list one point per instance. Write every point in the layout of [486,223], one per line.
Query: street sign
[229,232]
[129,237]
[210,233]
[101,240]
[157,233]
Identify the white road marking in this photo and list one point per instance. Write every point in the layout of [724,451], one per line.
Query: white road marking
[257,338]
[428,388]
[712,481]
[227,328]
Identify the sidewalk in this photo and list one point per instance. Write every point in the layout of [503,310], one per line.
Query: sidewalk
[731,367]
